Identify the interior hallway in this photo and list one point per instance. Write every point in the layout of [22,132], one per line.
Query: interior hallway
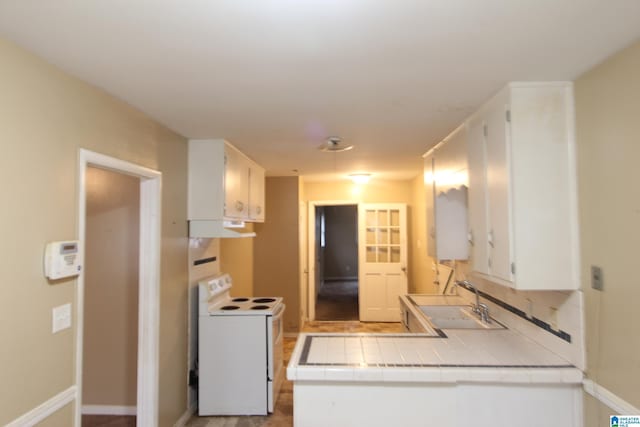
[337,300]
[283,415]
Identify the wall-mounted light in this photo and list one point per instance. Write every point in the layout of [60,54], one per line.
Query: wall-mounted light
[360,178]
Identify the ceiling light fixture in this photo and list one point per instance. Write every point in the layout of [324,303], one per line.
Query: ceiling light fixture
[360,178]
[333,144]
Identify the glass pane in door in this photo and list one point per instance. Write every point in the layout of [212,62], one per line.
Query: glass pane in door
[371,218]
[383,254]
[395,218]
[383,218]
[395,236]
[371,254]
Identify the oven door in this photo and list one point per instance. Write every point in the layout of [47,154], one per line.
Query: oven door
[275,367]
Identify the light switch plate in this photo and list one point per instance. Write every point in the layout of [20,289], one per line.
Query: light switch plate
[61,317]
[597,281]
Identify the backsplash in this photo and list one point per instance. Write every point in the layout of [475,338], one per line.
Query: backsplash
[562,311]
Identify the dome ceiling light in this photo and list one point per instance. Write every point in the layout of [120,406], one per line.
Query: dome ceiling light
[360,178]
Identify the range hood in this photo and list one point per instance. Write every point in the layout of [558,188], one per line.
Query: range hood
[218,228]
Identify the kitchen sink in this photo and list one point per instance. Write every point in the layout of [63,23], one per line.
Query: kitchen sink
[456,317]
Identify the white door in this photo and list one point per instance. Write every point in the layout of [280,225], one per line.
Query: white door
[382,253]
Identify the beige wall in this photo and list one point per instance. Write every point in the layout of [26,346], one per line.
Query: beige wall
[376,191]
[421,271]
[608,136]
[47,115]
[111,289]
[410,192]
[276,261]
[237,260]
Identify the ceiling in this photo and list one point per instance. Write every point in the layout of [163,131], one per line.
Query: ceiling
[277,77]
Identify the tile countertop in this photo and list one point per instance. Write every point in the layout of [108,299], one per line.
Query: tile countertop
[503,356]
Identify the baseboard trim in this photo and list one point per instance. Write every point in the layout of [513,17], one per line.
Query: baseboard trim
[46,409]
[109,410]
[619,405]
[184,419]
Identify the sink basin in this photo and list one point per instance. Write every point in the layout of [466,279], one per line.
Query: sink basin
[456,317]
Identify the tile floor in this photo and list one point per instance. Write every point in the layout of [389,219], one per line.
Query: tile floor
[283,415]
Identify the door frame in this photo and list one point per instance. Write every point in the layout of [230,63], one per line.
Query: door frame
[311,248]
[149,281]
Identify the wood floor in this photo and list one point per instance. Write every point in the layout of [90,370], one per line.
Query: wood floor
[283,415]
[337,300]
[108,421]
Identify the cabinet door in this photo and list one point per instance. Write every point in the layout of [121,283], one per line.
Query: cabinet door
[451,181]
[236,185]
[477,197]
[256,193]
[429,189]
[498,161]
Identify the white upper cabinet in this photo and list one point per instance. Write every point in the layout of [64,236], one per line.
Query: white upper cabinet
[236,184]
[477,196]
[226,188]
[446,180]
[522,188]
[256,193]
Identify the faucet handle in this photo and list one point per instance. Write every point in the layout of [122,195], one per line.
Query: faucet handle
[483,310]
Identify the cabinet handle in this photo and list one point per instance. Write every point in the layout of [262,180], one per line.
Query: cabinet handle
[258,210]
[470,237]
[490,238]
[239,206]
[432,232]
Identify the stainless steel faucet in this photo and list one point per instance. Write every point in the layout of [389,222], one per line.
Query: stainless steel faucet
[480,308]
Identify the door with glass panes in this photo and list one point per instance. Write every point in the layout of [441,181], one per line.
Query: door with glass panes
[382,246]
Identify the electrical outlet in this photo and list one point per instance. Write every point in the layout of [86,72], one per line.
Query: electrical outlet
[61,318]
[597,281]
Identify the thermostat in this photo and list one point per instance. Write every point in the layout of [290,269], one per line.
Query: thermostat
[62,259]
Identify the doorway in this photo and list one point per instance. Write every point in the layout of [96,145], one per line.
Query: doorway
[336,243]
[111,246]
[146,308]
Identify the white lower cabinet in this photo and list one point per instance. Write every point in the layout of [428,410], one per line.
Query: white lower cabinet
[383,404]
[522,188]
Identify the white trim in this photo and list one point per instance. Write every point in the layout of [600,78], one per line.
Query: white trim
[149,281]
[108,410]
[616,403]
[184,419]
[46,409]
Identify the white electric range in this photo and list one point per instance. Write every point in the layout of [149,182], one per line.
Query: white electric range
[240,363]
